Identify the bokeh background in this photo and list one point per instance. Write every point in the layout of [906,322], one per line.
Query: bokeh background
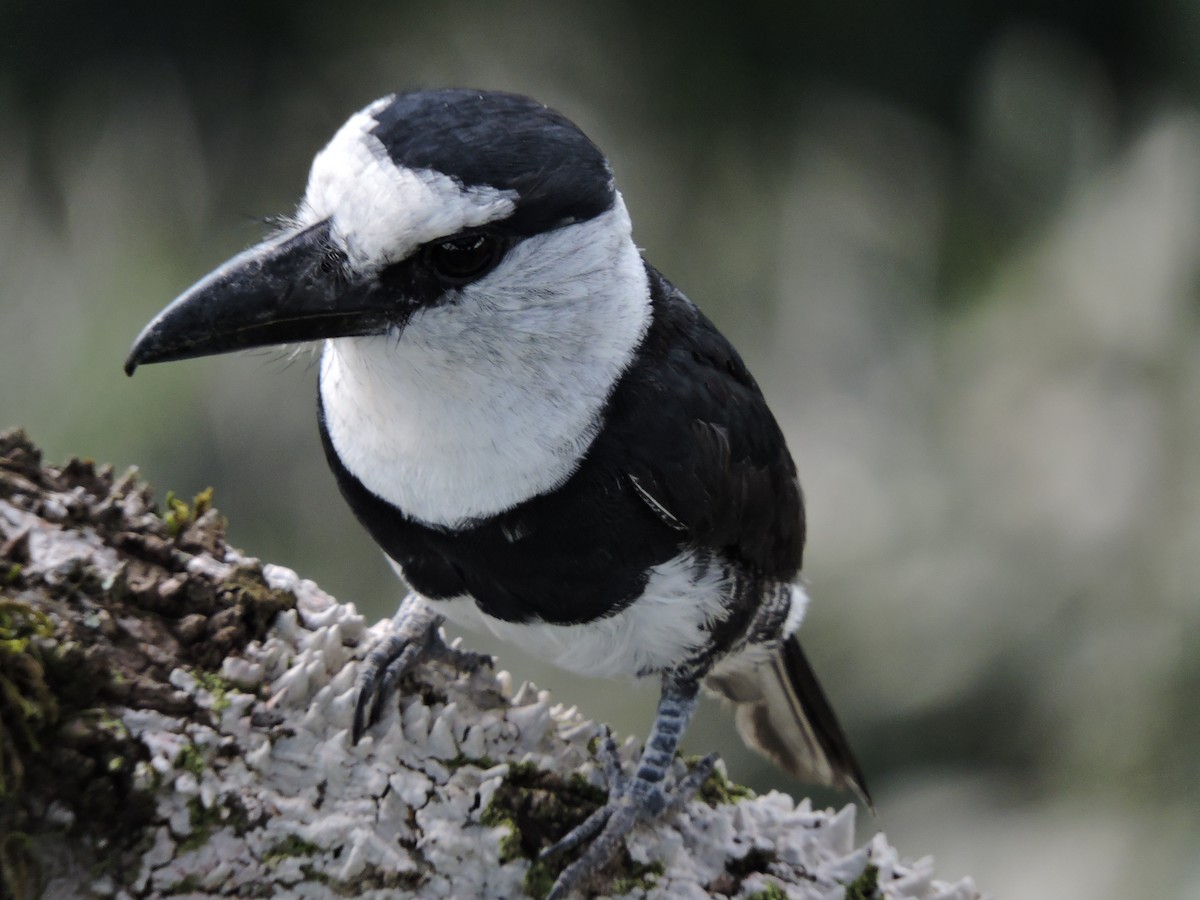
[956,242]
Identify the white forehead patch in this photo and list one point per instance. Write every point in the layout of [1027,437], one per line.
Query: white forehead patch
[380,212]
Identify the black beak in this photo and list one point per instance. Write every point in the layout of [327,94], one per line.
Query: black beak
[288,289]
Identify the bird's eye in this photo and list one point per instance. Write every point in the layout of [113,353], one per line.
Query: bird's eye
[462,259]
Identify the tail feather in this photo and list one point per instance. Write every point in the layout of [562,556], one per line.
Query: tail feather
[782,712]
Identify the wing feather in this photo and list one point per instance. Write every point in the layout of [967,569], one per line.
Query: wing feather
[705,449]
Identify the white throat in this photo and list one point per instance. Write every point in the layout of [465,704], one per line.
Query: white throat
[493,397]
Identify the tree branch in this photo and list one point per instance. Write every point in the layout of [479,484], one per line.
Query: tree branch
[174,720]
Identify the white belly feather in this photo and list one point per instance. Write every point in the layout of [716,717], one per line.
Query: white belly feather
[665,625]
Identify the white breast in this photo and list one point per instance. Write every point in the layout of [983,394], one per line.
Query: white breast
[493,396]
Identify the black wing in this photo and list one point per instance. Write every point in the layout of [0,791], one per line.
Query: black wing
[704,451]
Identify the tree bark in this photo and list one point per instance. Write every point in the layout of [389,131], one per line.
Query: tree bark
[174,721]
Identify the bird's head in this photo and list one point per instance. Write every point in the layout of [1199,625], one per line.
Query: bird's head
[419,201]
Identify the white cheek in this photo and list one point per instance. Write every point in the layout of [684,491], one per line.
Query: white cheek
[381,212]
[493,399]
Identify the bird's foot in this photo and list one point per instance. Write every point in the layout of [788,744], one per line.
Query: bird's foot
[417,637]
[631,801]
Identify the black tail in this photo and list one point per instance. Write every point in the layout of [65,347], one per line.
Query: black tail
[782,713]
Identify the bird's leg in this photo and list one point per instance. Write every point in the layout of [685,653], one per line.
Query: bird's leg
[642,798]
[417,636]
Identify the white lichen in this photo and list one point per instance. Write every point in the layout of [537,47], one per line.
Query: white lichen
[268,793]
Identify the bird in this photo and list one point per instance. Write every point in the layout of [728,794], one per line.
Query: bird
[545,437]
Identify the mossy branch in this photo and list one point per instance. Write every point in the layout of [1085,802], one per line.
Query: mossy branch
[174,719]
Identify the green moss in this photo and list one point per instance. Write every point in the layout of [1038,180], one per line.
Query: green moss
[522,772]
[179,515]
[111,724]
[56,742]
[203,821]
[19,622]
[27,704]
[584,788]
[260,602]
[642,877]
[312,874]
[190,759]
[537,808]
[756,860]
[458,762]
[865,886]
[290,847]
[539,879]
[217,686]
[207,820]
[20,873]
[189,885]
[718,790]
[202,502]
[61,668]
[770,892]
[510,844]
[397,884]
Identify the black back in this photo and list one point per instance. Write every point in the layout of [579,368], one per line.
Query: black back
[689,456]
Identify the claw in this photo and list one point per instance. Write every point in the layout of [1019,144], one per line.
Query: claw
[620,821]
[632,801]
[416,636]
[689,786]
[468,661]
[580,833]
[618,781]
[385,665]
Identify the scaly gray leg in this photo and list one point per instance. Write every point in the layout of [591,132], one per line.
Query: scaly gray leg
[417,636]
[642,798]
